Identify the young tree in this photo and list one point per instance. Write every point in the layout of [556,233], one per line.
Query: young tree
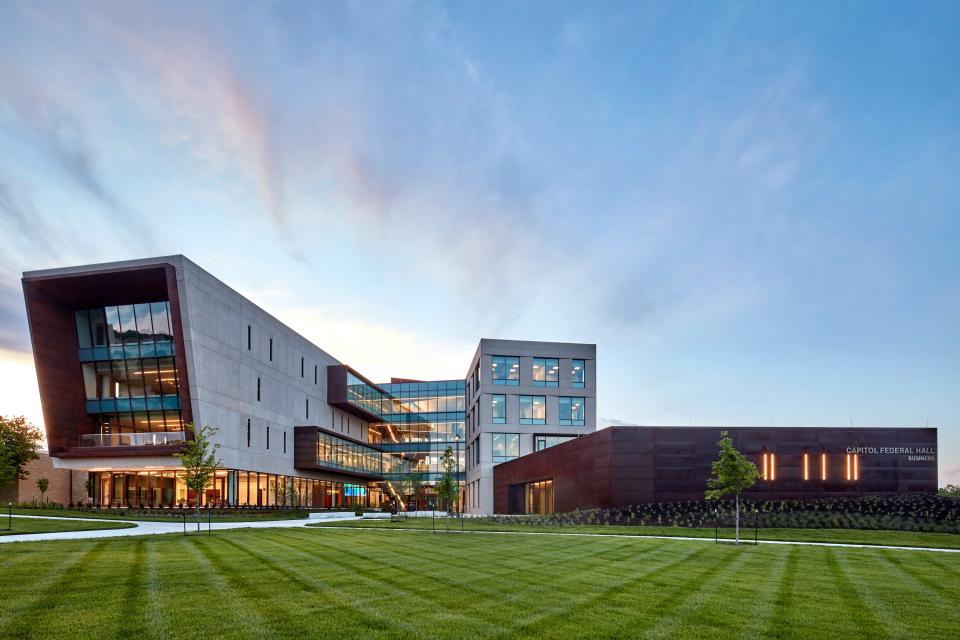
[447,489]
[199,459]
[732,474]
[43,484]
[89,484]
[19,442]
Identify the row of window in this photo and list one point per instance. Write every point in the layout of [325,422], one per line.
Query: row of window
[533,410]
[545,372]
[134,378]
[123,324]
[769,461]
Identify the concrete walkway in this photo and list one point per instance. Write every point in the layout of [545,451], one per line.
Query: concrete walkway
[146,528]
[143,528]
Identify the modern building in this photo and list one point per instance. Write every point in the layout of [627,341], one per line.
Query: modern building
[622,466]
[524,397]
[127,353]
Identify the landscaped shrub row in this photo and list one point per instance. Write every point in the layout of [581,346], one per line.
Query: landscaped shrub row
[904,513]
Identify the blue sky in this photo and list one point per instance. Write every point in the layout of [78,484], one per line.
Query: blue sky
[752,208]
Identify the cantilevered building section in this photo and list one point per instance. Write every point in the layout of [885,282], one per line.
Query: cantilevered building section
[129,352]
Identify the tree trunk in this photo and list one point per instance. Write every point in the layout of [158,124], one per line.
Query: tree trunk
[738,518]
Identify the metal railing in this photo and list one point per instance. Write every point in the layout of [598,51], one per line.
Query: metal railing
[132,439]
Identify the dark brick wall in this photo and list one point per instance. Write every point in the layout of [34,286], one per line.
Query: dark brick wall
[620,466]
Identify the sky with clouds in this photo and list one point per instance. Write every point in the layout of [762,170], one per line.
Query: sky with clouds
[752,208]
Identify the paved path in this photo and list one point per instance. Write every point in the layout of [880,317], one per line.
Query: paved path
[144,528]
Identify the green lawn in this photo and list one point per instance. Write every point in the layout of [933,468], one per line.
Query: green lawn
[47,525]
[246,516]
[853,536]
[337,583]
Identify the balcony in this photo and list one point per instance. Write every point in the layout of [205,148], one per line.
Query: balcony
[112,440]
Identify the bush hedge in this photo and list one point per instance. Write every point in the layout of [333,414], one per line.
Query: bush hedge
[900,513]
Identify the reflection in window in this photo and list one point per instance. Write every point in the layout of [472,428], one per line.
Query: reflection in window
[571,411]
[506,370]
[542,442]
[506,446]
[533,410]
[577,373]
[546,372]
[124,324]
[499,409]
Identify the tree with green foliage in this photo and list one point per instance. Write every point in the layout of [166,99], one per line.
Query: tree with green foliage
[19,443]
[43,484]
[950,491]
[447,487]
[732,474]
[89,484]
[199,459]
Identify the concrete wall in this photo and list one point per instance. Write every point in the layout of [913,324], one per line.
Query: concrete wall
[479,477]
[224,373]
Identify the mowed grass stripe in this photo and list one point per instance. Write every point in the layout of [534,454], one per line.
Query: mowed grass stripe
[935,589]
[683,612]
[285,577]
[52,595]
[566,616]
[156,617]
[242,617]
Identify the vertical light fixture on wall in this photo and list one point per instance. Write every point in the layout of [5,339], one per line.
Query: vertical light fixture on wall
[806,466]
[856,466]
[773,467]
[823,467]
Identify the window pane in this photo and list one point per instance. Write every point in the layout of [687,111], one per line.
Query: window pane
[135,379]
[577,373]
[552,366]
[499,409]
[98,327]
[160,311]
[83,329]
[506,370]
[90,380]
[144,325]
[513,445]
[118,383]
[114,333]
[539,372]
[151,377]
[127,323]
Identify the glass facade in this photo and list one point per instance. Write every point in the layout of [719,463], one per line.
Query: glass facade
[505,446]
[499,409]
[541,442]
[571,411]
[533,410]
[129,374]
[421,420]
[578,373]
[229,487]
[505,370]
[546,372]
[366,396]
[341,454]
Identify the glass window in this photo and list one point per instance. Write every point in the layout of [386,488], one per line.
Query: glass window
[83,329]
[128,324]
[160,311]
[506,370]
[542,442]
[505,446]
[533,410]
[144,324]
[571,411]
[577,373]
[151,377]
[98,327]
[168,376]
[546,372]
[499,415]
[114,333]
